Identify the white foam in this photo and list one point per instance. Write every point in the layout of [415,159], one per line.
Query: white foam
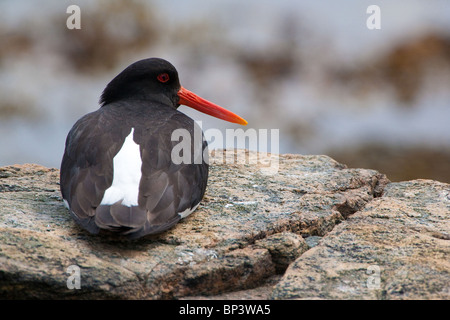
[127,175]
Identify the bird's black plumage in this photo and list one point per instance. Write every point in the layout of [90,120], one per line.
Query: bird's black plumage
[134,100]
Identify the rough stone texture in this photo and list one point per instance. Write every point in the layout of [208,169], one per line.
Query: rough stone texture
[248,229]
[401,238]
[284,248]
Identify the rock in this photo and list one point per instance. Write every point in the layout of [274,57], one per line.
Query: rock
[312,241]
[397,247]
[248,228]
[284,248]
[313,230]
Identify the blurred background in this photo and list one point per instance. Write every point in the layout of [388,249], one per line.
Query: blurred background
[376,99]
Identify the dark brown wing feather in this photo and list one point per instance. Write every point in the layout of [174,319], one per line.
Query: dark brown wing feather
[167,189]
[87,165]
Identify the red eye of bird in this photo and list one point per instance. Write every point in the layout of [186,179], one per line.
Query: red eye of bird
[163,77]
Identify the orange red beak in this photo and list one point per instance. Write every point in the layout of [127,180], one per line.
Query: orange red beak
[192,100]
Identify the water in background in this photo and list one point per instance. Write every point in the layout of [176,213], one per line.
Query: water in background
[370,98]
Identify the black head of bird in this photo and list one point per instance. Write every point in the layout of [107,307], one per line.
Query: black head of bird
[117,171]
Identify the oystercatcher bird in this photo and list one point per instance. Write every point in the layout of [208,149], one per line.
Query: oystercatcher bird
[117,172]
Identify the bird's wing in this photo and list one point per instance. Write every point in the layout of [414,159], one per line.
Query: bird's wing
[87,165]
[169,190]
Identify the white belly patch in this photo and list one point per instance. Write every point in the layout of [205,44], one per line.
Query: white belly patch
[127,175]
